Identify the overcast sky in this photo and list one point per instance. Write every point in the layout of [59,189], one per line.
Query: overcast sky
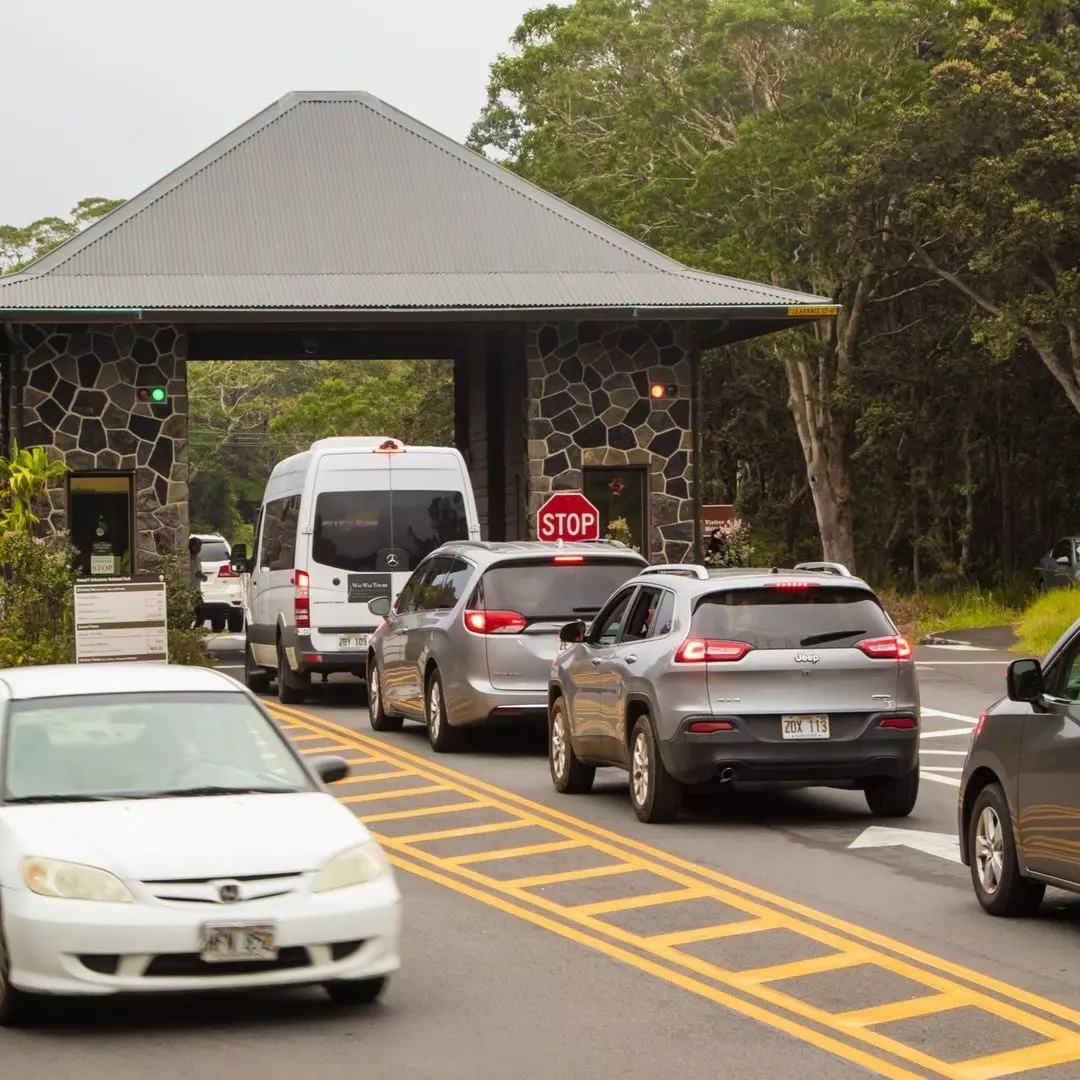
[103,97]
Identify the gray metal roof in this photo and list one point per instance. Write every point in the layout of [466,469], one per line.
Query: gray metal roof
[338,201]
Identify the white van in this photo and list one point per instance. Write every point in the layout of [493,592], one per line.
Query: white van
[341,524]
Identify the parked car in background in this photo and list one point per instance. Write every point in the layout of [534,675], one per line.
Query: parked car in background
[222,591]
[160,834]
[1061,566]
[690,678]
[1019,813]
[472,636]
[341,525]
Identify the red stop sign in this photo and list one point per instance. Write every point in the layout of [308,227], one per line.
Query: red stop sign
[568,516]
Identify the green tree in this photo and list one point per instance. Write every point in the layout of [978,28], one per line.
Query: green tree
[21,245]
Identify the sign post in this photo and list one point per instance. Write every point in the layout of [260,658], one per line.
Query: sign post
[120,619]
[568,516]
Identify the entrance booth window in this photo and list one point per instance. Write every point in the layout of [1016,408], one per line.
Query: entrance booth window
[620,493]
[101,522]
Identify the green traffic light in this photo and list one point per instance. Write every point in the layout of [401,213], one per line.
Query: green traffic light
[158,395]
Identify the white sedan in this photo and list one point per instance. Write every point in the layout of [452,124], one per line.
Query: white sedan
[158,833]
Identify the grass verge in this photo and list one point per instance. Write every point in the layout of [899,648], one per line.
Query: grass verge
[1044,620]
[941,613]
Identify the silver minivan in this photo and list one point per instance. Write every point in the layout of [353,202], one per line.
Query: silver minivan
[342,525]
[473,635]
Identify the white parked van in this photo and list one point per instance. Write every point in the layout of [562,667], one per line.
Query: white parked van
[341,524]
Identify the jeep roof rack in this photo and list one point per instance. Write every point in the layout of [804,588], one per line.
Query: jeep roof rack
[679,569]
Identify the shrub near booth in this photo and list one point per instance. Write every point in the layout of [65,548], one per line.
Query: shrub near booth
[1046,619]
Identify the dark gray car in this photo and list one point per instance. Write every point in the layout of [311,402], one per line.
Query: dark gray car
[475,629]
[1061,566]
[1019,812]
[689,678]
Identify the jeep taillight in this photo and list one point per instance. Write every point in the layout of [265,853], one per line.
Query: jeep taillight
[708,651]
[886,648]
[301,598]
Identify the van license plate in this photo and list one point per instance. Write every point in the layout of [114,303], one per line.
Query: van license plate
[352,641]
[805,727]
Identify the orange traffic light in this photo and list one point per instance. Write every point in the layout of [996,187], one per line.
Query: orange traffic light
[663,390]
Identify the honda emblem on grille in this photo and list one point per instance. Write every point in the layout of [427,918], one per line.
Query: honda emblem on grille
[229,893]
[806,658]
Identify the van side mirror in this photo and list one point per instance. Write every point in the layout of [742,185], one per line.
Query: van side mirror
[572,633]
[380,606]
[238,559]
[1024,681]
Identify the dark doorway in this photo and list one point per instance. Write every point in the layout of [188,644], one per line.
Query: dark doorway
[620,493]
[100,522]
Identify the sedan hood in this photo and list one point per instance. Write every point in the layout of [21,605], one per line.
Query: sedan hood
[196,837]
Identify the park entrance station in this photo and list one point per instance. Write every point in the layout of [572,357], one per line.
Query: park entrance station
[333,226]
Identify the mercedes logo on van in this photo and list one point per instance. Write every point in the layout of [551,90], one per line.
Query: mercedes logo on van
[229,893]
[806,658]
[392,559]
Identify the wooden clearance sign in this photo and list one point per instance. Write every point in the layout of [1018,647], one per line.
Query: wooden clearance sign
[821,312]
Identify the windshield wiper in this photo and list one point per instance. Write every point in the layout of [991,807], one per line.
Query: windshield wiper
[28,799]
[215,789]
[832,635]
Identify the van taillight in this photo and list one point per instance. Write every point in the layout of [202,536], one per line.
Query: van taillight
[494,622]
[704,651]
[886,648]
[301,598]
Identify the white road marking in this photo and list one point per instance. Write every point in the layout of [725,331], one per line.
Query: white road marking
[950,716]
[950,733]
[943,845]
[946,753]
[961,663]
[960,648]
[952,781]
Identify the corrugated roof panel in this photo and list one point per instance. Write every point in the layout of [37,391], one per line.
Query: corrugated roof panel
[337,200]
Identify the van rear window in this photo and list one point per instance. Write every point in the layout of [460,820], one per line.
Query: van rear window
[544,590]
[352,527]
[818,616]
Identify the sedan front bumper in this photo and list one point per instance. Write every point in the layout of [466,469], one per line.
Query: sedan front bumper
[81,947]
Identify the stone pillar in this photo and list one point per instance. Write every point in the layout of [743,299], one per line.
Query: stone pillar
[80,400]
[588,404]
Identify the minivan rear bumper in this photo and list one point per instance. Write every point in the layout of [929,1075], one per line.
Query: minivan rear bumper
[700,759]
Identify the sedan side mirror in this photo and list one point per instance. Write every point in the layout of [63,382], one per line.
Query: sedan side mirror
[330,769]
[238,559]
[1024,681]
[379,605]
[1062,560]
[572,633]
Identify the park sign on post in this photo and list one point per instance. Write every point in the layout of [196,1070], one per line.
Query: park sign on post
[120,619]
[568,516]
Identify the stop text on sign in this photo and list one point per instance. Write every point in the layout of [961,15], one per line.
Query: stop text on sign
[568,516]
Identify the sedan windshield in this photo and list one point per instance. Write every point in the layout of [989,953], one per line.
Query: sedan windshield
[158,745]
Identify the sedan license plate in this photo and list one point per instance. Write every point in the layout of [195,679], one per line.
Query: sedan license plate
[227,943]
[352,641]
[805,727]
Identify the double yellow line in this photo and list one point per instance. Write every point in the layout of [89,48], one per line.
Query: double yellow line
[447,799]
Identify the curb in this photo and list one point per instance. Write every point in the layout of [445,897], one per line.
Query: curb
[938,639]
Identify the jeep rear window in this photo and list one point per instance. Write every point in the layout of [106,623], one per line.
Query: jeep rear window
[819,617]
[543,590]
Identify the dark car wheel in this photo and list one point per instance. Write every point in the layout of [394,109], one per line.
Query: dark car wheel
[256,678]
[893,796]
[568,774]
[443,738]
[654,793]
[356,991]
[381,720]
[292,689]
[995,870]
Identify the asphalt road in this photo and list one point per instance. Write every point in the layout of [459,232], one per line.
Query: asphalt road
[557,936]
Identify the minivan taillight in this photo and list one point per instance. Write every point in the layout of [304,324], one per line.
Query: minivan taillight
[301,598]
[886,648]
[494,622]
[225,570]
[706,651]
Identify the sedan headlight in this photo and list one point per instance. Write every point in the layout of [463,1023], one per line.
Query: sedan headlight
[354,866]
[73,881]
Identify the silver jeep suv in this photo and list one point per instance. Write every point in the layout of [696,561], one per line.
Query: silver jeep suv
[474,631]
[690,678]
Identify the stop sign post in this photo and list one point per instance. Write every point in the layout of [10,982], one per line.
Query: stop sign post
[568,516]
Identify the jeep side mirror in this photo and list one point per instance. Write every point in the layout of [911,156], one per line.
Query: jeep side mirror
[1024,681]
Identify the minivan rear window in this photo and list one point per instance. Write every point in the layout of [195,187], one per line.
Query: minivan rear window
[817,616]
[352,527]
[542,589]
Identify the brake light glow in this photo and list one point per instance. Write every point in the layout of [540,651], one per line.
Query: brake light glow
[978,726]
[225,570]
[903,723]
[302,597]
[568,559]
[703,651]
[494,622]
[707,727]
[886,648]
[792,585]
[389,447]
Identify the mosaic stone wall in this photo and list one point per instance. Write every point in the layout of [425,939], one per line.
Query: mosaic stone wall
[80,399]
[588,405]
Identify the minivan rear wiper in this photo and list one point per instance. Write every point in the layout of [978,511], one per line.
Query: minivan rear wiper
[832,635]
